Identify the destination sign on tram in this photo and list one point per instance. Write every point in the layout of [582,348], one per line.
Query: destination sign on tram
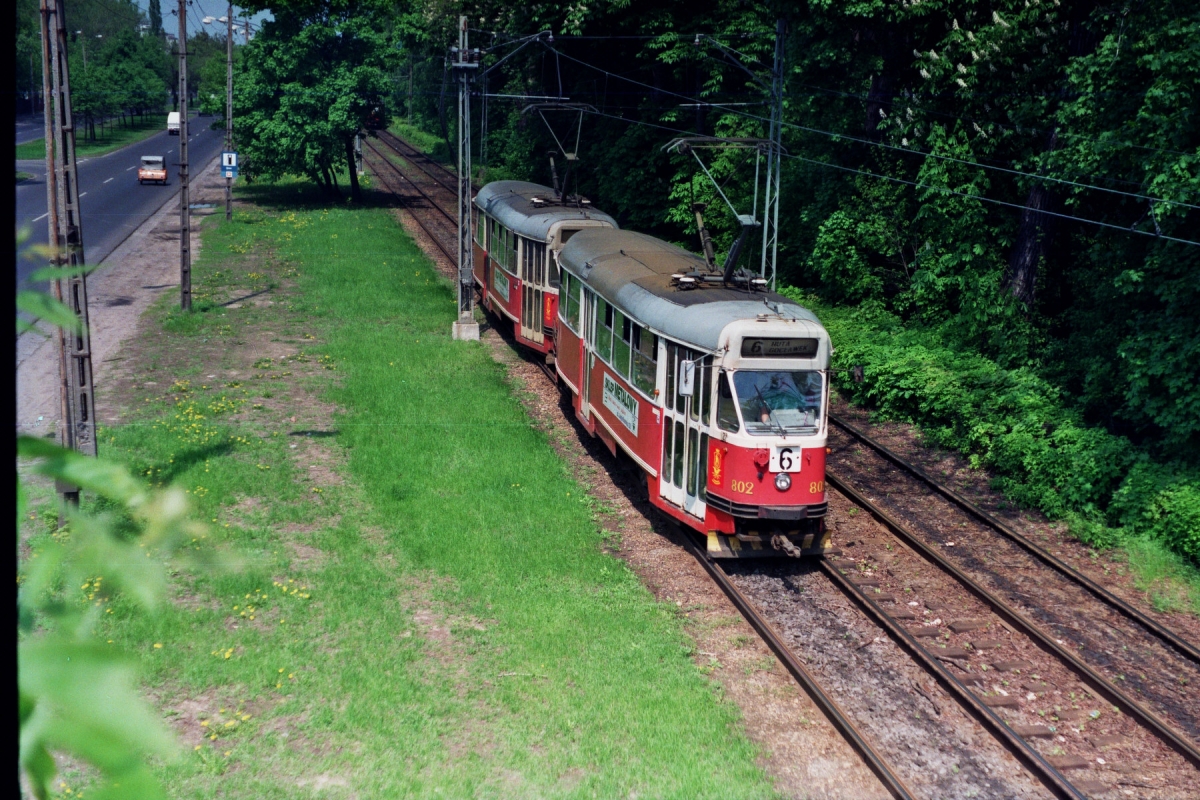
[758,347]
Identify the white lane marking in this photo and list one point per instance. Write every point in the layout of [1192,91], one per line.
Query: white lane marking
[42,217]
[133,167]
[111,178]
[83,195]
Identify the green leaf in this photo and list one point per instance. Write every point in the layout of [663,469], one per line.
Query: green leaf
[86,704]
[103,477]
[59,273]
[43,306]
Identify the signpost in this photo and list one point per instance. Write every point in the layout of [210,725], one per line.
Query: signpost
[229,164]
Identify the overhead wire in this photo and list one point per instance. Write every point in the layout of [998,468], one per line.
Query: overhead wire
[847,137]
[920,185]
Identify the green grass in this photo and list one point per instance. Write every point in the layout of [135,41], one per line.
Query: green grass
[453,628]
[107,140]
[1173,584]
[23,176]
[428,143]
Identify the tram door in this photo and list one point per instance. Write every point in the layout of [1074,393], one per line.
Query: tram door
[684,472]
[587,319]
[533,278]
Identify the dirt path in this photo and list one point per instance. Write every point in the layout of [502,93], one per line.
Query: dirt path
[132,277]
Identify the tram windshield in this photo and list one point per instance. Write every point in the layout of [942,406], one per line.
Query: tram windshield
[779,401]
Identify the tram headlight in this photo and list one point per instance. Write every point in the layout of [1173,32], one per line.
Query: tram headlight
[783,481]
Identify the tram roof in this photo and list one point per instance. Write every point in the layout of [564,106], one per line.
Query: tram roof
[633,271]
[511,204]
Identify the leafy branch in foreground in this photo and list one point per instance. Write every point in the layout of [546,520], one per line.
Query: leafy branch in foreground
[76,694]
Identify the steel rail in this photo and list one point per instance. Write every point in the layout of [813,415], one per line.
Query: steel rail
[417,217]
[1189,650]
[1098,682]
[434,204]
[1050,777]
[417,157]
[827,704]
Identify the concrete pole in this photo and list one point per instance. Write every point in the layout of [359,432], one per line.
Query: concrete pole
[229,107]
[185,223]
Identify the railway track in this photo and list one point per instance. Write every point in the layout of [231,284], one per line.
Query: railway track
[1121,655]
[430,215]
[432,185]
[1185,648]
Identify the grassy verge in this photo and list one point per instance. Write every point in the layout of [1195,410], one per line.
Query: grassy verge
[424,609]
[107,140]
[1042,453]
[428,143]
[23,176]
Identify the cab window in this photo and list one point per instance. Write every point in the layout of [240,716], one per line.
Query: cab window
[727,415]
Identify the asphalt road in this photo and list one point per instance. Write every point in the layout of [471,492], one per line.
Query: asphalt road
[29,127]
[112,202]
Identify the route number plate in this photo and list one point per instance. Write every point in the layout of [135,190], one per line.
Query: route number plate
[787,458]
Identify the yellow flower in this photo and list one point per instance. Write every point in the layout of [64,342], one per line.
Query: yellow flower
[158,645]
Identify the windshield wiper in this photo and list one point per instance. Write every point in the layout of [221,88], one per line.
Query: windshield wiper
[770,411]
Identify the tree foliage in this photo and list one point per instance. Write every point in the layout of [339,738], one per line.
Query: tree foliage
[316,75]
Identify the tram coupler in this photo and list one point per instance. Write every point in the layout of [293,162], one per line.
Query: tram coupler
[780,542]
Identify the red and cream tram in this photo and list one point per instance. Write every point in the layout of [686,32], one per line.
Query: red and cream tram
[719,394]
[519,227]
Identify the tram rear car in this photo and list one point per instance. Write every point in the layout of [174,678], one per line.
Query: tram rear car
[719,394]
[519,228]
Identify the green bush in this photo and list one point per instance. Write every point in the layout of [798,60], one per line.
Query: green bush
[1018,425]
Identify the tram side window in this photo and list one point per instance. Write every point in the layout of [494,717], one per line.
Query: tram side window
[568,305]
[727,416]
[604,329]
[645,359]
[481,221]
[622,334]
[512,250]
[552,266]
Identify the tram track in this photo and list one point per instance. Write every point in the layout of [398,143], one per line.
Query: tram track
[1040,766]
[436,225]
[1126,658]
[1187,649]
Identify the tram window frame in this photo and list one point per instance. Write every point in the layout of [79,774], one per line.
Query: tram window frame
[622,339]
[644,369]
[725,402]
[604,329]
[481,222]
[568,302]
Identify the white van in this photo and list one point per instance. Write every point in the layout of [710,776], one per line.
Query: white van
[173,123]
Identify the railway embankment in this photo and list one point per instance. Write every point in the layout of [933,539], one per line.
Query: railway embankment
[424,606]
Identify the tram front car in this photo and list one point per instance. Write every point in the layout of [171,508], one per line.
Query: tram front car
[766,460]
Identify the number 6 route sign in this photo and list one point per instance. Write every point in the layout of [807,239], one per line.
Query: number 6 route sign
[229,164]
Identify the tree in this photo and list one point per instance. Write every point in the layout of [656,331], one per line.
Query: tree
[154,8]
[314,77]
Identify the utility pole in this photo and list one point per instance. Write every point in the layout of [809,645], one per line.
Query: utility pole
[229,107]
[465,327]
[185,223]
[770,239]
[76,395]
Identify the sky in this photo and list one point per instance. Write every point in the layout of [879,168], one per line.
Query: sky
[197,10]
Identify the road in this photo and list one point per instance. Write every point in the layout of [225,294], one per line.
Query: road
[29,127]
[112,202]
